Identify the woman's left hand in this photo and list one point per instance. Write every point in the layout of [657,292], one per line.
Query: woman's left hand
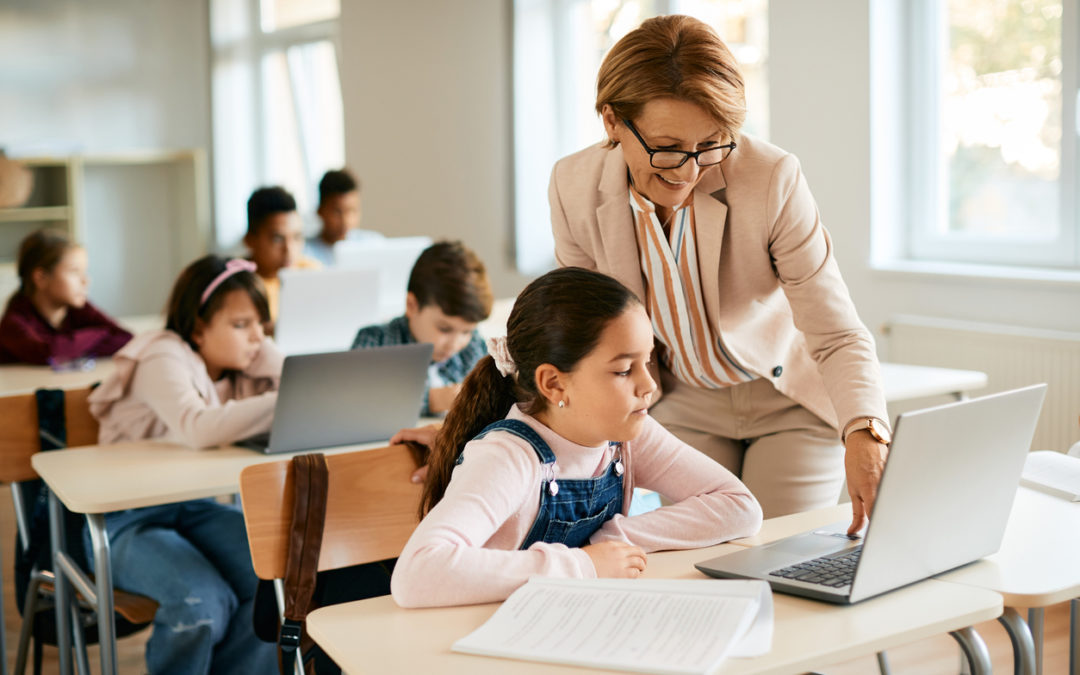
[864,461]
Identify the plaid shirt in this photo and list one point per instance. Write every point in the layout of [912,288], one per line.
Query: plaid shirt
[452,371]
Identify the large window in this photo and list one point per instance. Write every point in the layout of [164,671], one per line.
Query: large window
[993,132]
[558,47]
[277,108]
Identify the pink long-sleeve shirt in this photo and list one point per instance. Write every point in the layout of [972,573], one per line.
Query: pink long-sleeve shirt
[465,550]
[160,389]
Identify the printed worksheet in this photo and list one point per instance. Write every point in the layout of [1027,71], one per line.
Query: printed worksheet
[650,626]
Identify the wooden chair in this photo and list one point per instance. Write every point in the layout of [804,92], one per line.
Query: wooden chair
[371,510]
[19,440]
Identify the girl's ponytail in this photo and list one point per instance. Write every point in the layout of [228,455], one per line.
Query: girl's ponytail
[485,397]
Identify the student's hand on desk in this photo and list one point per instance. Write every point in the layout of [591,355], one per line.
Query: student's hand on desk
[424,436]
[441,398]
[614,559]
[864,461]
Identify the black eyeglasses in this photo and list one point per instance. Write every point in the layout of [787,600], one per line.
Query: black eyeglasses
[673,159]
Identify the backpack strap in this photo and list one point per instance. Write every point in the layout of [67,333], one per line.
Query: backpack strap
[310,482]
[52,435]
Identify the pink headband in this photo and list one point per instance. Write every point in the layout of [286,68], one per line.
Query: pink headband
[231,267]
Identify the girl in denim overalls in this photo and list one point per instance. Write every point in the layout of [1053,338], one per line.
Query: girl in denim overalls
[533,469]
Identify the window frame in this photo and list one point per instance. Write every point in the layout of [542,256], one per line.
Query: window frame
[926,173]
[544,139]
[251,51]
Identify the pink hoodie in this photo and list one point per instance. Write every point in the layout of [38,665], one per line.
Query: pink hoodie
[160,389]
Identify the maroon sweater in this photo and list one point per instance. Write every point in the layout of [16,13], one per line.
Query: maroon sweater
[26,337]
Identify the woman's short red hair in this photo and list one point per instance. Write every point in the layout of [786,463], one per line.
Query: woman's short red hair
[673,57]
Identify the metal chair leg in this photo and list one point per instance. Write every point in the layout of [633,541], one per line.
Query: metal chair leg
[26,631]
[82,661]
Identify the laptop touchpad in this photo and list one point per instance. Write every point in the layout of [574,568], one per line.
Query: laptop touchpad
[811,545]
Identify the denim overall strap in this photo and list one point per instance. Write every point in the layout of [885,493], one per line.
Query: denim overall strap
[570,511]
[525,433]
[522,431]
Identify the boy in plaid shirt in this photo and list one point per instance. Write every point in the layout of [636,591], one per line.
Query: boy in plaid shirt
[448,295]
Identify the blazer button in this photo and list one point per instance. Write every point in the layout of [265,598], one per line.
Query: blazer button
[777,370]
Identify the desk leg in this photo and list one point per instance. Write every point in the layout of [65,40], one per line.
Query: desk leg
[1074,637]
[63,589]
[1023,645]
[3,636]
[1035,621]
[975,650]
[99,537]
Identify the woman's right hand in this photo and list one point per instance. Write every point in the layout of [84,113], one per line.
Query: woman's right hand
[616,559]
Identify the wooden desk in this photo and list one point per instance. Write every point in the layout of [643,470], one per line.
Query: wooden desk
[19,378]
[903,381]
[141,323]
[1038,565]
[376,636]
[96,480]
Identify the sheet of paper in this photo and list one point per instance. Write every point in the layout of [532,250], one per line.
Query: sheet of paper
[758,638]
[655,626]
[1053,472]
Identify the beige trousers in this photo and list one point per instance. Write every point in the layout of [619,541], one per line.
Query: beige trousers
[789,458]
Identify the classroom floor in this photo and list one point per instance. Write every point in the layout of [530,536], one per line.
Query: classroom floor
[938,655]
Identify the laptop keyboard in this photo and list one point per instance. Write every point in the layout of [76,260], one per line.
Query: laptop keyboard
[834,570]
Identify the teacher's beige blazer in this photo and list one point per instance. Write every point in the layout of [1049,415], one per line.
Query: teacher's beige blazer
[772,288]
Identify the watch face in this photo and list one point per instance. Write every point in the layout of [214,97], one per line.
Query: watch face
[881,435]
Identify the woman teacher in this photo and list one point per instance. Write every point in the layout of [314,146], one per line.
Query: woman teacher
[764,363]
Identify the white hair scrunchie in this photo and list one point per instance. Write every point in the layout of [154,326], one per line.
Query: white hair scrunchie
[501,353]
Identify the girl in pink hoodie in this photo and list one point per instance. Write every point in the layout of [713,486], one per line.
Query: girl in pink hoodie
[209,378]
[533,470]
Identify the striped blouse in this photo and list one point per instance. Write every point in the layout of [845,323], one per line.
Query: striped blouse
[692,349]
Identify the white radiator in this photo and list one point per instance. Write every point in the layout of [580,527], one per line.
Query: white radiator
[1010,356]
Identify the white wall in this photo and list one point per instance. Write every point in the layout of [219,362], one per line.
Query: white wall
[820,89]
[426,90]
[103,77]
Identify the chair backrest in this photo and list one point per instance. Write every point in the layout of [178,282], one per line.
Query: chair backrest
[19,432]
[371,509]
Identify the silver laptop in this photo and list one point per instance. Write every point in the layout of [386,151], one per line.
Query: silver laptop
[349,397]
[392,258]
[944,501]
[321,310]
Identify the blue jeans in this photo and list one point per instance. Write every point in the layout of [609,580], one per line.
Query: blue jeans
[193,559]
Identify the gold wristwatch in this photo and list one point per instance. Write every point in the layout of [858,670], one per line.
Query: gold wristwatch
[876,428]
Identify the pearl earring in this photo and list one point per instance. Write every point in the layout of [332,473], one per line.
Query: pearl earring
[562,404]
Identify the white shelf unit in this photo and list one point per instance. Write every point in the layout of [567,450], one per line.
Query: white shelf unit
[142,216]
